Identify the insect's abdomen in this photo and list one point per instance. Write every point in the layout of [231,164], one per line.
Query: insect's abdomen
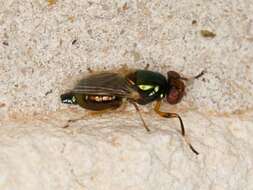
[98,102]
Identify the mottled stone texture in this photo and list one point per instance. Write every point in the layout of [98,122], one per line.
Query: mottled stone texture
[45,46]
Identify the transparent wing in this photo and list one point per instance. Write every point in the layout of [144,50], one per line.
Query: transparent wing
[111,84]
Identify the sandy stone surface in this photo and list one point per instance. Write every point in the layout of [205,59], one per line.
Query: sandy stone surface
[45,46]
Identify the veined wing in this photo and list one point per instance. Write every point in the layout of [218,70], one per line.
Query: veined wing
[111,84]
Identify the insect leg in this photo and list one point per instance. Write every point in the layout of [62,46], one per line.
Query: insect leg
[95,113]
[175,115]
[138,110]
[72,121]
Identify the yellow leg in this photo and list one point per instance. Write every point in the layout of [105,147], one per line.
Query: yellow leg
[174,115]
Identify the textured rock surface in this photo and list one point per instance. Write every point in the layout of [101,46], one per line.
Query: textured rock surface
[46,45]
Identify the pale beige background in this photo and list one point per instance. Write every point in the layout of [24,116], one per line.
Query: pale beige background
[39,61]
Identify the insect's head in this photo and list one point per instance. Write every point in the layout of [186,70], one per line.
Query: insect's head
[68,98]
[176,89]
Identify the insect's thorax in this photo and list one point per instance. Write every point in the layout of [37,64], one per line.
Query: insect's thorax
[150,85]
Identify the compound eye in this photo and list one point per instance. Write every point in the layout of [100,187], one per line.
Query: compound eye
[175,95]
[173,75]
[172,96]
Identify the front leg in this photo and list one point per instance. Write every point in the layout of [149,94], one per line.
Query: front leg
[174,115]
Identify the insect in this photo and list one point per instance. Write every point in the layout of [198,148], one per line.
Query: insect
[108,90]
